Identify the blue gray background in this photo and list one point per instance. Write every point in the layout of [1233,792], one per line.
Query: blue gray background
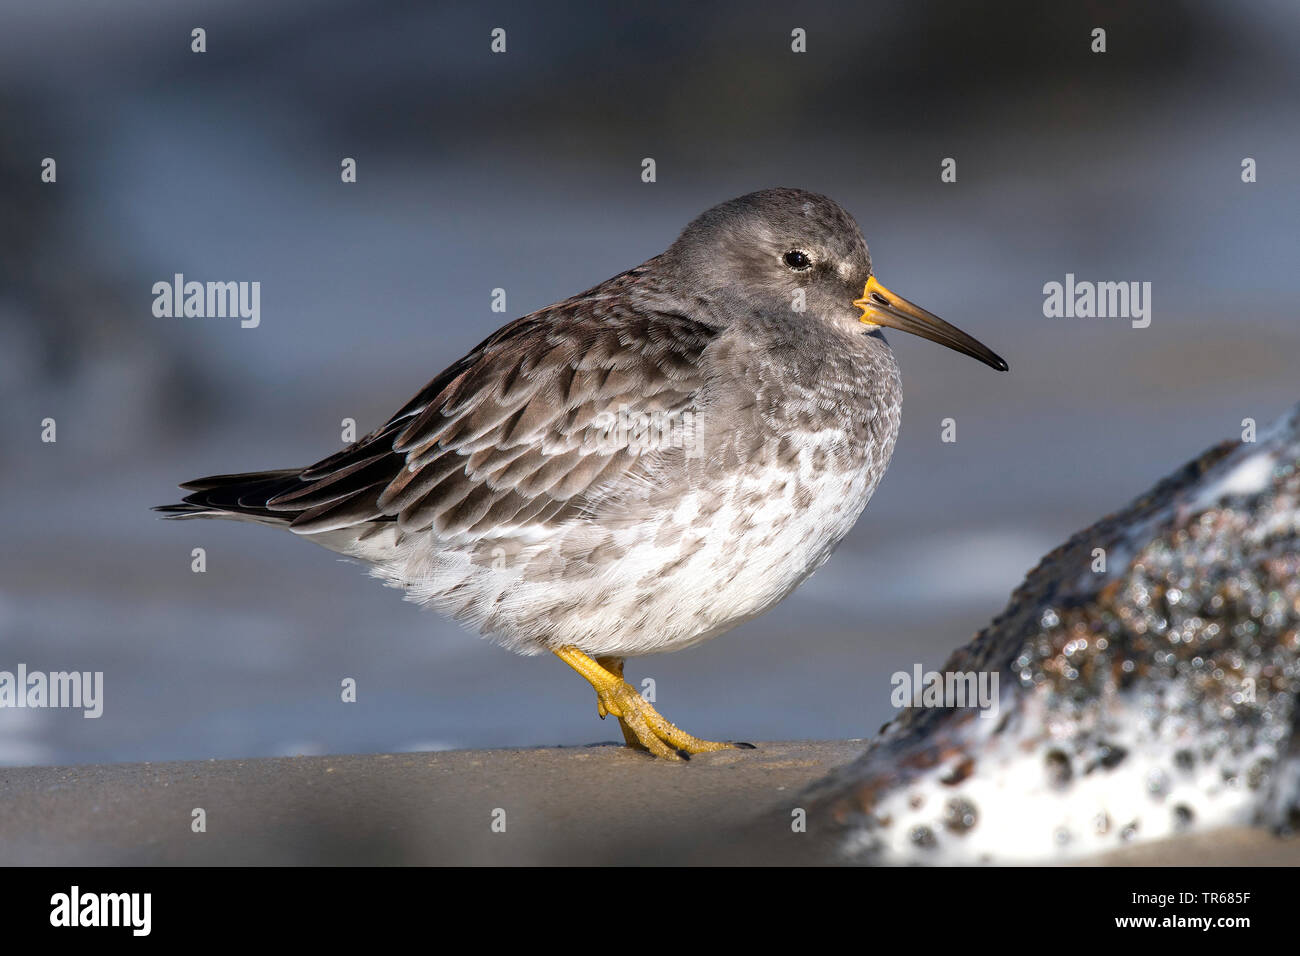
[522,171]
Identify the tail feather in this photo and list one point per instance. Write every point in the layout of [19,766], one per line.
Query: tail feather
[236,496]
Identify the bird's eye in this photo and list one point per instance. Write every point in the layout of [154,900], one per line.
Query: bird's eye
[797,260]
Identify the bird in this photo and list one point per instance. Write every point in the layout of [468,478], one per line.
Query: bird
[637,468]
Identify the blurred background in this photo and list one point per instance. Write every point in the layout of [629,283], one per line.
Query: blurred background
[522,171]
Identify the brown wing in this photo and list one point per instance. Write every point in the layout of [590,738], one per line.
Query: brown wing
[509,436]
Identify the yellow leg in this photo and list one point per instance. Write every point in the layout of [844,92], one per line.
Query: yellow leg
[642,725]
[615,666]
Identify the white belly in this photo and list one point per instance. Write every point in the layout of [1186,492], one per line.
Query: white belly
[751,557]
[721,553]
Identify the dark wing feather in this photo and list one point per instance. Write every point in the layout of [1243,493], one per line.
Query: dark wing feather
[507,436]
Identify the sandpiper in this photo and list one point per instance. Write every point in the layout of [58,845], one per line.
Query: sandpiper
[635,469]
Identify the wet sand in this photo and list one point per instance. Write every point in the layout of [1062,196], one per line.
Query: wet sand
[594,805]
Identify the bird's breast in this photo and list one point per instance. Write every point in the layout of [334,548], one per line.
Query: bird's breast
[786,471]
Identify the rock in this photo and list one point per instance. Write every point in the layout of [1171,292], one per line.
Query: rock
[1153,699]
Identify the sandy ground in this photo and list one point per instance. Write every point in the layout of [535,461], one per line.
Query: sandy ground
[591,805]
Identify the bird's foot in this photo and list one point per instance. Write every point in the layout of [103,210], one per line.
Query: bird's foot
[643,727]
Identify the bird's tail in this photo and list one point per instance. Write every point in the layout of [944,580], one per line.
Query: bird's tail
[243,497]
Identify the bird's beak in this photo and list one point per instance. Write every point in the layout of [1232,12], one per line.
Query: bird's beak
[881,307]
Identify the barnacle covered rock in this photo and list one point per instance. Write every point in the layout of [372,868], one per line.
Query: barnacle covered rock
[1148,672]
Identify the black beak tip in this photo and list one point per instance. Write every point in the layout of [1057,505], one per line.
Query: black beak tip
[1000,364]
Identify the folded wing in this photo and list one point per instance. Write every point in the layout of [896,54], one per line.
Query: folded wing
[524,432]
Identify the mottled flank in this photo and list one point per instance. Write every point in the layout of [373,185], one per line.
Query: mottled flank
[1155,698]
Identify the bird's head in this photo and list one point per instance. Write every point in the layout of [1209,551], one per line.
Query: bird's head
[793,249]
